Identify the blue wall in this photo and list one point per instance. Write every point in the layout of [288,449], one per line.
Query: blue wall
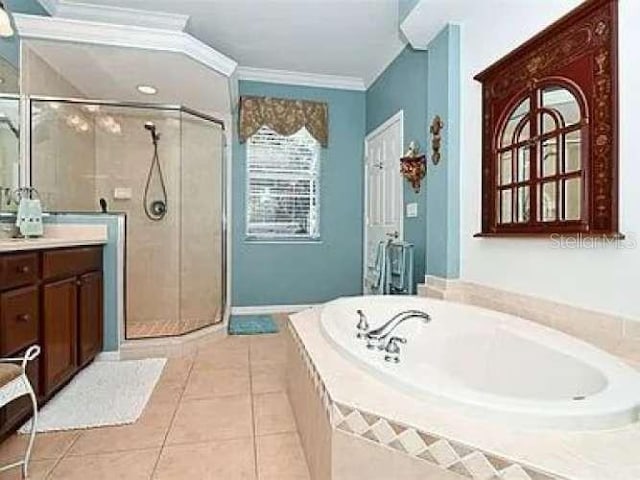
[303,273]
[10,47]
[403,86]
[443,180]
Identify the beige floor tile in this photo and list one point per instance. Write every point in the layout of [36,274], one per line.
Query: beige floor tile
[231,459]
[47,446]
[223,355]
[132,465]
[268,378]
[280,457]
[273,414]
[148,432]
[167,391]
[207,383]
[219,418]
[177,370]
[38,470]
[268,349]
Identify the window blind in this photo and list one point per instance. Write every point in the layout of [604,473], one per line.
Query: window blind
[282,185]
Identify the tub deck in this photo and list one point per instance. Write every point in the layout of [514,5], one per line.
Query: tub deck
[365,405]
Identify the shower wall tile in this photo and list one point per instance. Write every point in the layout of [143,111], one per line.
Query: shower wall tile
[153,248]
[201,223]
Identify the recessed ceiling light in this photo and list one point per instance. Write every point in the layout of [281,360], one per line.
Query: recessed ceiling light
[147,89]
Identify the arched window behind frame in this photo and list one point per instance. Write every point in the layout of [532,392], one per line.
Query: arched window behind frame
[540,159]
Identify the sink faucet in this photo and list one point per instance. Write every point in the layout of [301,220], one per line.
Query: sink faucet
[385,331]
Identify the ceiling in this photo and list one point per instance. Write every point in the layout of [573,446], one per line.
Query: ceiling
[116,72]
[355,38]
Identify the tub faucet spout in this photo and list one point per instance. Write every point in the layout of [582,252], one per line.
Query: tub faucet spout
[383,332]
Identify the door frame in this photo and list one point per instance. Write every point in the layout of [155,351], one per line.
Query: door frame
[398,117]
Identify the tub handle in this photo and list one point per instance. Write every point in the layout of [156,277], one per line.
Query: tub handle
[363,324]
[393,349]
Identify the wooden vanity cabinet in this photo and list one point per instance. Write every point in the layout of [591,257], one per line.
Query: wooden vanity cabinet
[53,298]
[90,331]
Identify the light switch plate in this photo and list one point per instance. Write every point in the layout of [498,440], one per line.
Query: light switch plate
[122,193]
[412,210]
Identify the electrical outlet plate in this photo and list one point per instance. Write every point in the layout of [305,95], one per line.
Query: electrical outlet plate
[412,210]
[122,193]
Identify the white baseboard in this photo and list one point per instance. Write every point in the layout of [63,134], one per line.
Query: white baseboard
[267,309]
[108,357]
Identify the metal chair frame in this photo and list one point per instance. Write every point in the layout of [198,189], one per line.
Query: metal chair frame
[14,389]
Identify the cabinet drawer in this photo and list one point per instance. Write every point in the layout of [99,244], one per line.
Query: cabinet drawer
[69,262]
[19,319]
[18,269]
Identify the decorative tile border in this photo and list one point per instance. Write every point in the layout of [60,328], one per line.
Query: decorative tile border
[312,372]
[434,449]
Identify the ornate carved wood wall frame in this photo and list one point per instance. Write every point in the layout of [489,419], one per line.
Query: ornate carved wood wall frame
[582,48]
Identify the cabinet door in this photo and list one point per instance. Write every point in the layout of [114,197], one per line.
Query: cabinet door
[60,305]
[90,317]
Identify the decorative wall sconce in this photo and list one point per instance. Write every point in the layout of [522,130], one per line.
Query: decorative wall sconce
[413,166]
[436,138]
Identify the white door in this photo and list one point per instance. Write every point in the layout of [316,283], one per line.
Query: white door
[383,189]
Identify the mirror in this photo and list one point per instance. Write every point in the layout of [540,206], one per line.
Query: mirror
[9,107]
[9,150]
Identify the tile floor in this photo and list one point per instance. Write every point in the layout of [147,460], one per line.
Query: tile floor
[220,414]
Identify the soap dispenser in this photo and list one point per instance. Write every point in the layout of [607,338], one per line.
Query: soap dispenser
[29,215]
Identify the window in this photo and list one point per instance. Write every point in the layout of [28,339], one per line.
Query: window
[550,140]
[283,174]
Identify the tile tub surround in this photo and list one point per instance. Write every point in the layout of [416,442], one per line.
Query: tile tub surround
[215,414]
[362,405]
[56,236]
[616,335]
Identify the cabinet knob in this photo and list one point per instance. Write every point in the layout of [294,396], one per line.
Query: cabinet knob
[24,269]
[79,283]
[24,317]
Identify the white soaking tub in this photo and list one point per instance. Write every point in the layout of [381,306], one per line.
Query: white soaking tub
[491,364]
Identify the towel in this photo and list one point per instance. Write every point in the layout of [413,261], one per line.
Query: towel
[377,273]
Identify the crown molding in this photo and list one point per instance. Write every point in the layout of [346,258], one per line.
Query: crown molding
[301,78]
[100,33]
[119,15]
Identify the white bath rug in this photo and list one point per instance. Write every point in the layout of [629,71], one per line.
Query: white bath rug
[104,393]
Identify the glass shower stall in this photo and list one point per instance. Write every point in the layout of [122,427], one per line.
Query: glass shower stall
[163,168]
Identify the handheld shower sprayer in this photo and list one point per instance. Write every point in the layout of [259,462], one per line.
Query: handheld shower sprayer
[155,209]
[155,136]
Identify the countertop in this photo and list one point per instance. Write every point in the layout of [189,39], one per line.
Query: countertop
[58,236]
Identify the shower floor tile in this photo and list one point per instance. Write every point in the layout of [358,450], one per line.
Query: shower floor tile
[163,328]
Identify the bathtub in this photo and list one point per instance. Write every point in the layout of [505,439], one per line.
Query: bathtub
[490,365]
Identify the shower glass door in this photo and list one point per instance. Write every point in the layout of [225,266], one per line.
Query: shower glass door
[89,156]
